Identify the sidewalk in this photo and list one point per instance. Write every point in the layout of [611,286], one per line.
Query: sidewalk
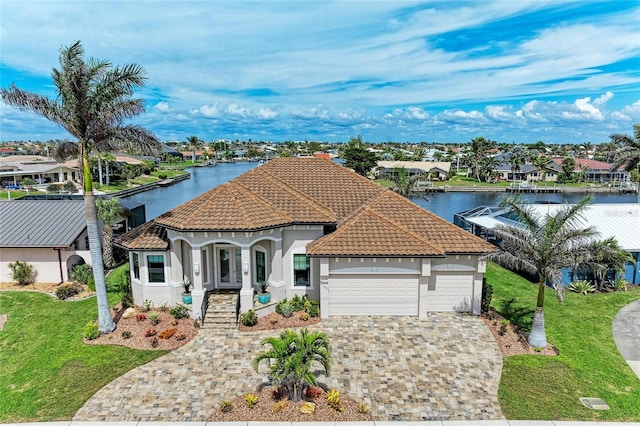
[381,423]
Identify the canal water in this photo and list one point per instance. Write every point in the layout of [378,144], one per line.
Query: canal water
[162,199]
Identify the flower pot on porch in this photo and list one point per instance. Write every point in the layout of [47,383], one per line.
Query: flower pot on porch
[264,298]
[186,298]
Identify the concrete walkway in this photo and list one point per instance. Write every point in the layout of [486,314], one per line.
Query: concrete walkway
[446,367]
[626,333]
[375,423]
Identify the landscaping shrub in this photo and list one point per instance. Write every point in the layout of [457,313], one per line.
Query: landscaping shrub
[22,272]
[91,331]
[180,312]
[84,275]
[280,304]
[287,309]
[333,399]
[226,406]
[620,284]
[162,176]
[297,303]
[251,399]
[53,188]
[312,307]
[154,318]
[65,291]
[582,287]
[249,318]
[126,334]
[487,294]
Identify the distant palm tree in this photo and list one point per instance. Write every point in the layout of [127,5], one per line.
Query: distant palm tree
[542,245]
[93,101]
[628,153]
[603,256]
[405,185]
[109,210]
[291,356]
[194,143]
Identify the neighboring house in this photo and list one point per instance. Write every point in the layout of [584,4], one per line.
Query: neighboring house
[50,232]
[168,151]
[439,169]
[42,169]
[309,227]
[620,221]
[51,235]
[598,171]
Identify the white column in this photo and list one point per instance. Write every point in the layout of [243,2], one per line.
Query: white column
[324,288]
[276,280]
[197,292]
[425,276]
[246,294]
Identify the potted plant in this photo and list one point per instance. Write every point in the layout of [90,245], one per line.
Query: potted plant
[186,294]
[264,296]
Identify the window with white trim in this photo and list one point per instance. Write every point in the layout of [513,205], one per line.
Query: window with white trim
[135,261]
[155,266]
[261,266]
[301,270]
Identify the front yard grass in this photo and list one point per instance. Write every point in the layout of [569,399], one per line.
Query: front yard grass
[46,372]
[589,364]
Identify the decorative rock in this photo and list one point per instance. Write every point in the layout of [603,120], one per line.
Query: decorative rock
[278,406]
[167,333]
[308,408]
[129,313]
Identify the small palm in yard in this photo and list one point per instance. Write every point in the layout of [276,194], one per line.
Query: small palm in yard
[542,246]
[291,357]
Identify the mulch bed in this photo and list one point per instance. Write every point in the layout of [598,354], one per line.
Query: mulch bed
[138,330]
[512,341]
[263,410]
[275,321]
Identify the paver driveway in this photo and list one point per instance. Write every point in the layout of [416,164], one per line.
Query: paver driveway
[444,367]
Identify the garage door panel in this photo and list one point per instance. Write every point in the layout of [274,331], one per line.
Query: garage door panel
[453,293]
[375,295]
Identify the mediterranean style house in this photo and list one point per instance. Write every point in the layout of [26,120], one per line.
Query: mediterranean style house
[308,226]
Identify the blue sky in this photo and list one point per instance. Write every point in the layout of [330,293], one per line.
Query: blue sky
[436,71]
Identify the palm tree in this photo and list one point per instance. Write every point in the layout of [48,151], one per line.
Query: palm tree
[194,142]
[405,185]
[108,211]
[628,153]
[604,256]
[291,357]
[542,245]
[93,101]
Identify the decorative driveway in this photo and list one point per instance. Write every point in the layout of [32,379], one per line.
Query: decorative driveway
[446,367]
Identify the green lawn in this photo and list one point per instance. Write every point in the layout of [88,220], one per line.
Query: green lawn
[46,372]
[589,364]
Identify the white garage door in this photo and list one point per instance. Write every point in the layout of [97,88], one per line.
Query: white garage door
[373,295]
[452,292]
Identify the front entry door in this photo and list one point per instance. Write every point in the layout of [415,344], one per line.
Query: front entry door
[230,261]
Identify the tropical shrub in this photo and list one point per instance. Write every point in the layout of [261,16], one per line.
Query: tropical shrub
[333,400]
[363,409]
[304,316]
[291,356]
[154,318]
[620,284]
[287,310]
[126,334]
[67,290]
[180,312]
[487,294]
[249,318]
[250,399]
[53,188]
[226,406]
[22,272]
[280,304]
[147,305]
[91,331]
[297,303]
[312,307]
[69,186]
[582,287]
[84,275]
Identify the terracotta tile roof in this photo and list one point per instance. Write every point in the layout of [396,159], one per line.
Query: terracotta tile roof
[148,236]
[390,225]
[371,220]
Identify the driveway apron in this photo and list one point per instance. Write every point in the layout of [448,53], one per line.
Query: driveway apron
[445,367]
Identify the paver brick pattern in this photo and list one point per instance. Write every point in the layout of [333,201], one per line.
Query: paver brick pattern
[445,367]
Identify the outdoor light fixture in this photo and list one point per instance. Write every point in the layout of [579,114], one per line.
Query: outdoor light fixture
[196,268]
[245,267]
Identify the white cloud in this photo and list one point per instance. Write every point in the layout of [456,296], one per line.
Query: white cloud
[162,107]
[498,113]
[603,99]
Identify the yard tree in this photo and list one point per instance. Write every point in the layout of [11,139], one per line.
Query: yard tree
[291,357]
[194,143]
[357,157]
[542,245]
[405,185]
[94,100]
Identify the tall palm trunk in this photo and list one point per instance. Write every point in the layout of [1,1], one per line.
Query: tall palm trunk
[105,321]
[107,246]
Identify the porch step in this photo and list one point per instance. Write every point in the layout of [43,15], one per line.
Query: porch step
[221,310]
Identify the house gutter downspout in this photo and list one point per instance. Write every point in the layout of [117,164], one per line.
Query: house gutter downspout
[60,265]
